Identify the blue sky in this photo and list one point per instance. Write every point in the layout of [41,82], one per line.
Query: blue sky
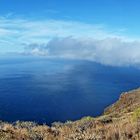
[59,28]
[113,13]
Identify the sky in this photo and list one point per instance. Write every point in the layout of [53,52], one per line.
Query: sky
[105,31]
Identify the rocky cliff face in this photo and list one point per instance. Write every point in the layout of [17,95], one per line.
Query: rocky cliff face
[120,121]
[127,102]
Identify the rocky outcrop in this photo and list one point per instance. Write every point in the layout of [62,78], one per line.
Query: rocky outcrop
[127,102]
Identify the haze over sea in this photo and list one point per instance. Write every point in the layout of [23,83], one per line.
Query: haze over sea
[47,90]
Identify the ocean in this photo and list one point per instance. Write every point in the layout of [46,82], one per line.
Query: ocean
[46,90]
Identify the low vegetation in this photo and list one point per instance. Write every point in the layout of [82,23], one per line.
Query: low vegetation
[120,121]
[136,115]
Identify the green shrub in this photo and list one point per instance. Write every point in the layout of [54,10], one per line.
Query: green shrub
[88,118]
[136,115]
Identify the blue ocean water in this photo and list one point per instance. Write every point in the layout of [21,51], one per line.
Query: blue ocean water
[47,90]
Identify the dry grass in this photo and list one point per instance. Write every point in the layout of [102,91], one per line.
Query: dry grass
[92,129]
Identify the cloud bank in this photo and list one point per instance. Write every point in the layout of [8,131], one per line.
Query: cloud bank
[68,39]
[109,51]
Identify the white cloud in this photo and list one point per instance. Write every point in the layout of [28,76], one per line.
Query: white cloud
[109,51]
[34,31]
[68,39]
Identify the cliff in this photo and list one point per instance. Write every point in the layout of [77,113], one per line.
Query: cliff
[120,121]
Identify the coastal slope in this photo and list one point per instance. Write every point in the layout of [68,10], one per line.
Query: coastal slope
[120,121]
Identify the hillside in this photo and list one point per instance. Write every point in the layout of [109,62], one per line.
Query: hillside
[120,121]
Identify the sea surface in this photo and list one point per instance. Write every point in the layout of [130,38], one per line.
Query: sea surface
[47,90]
